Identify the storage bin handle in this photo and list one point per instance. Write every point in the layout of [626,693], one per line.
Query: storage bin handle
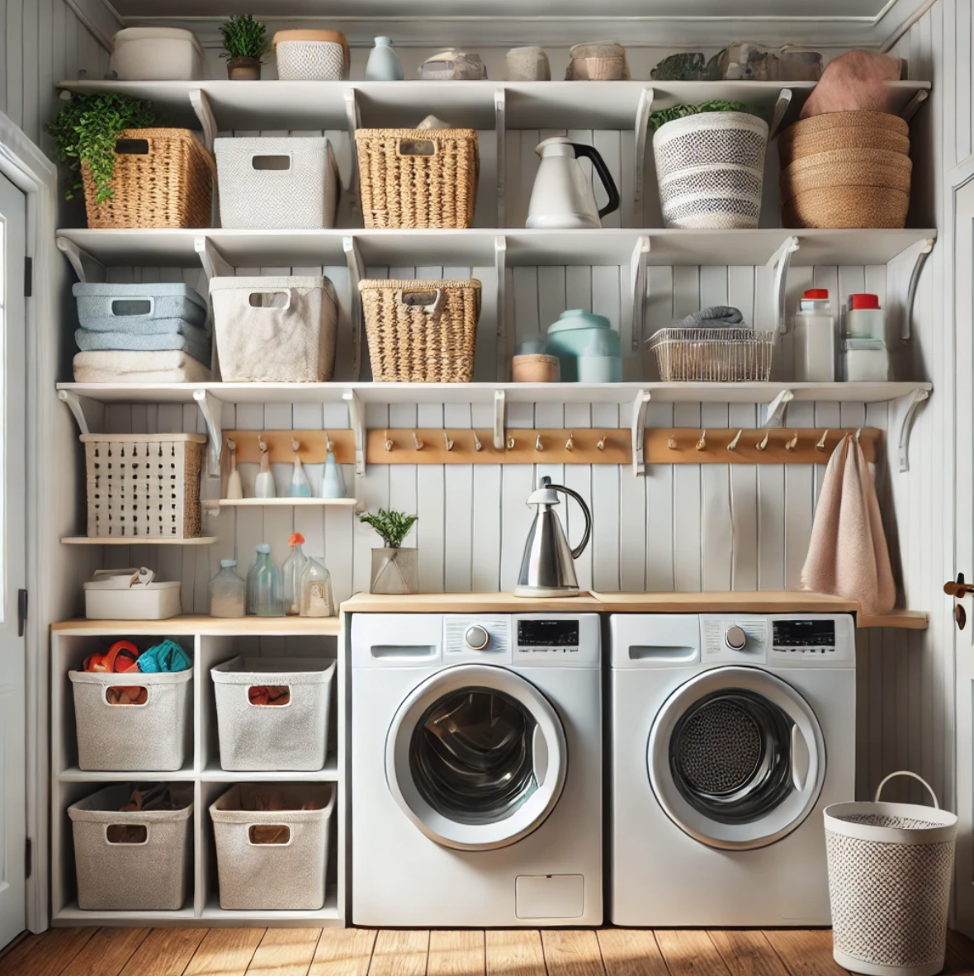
[414,143]
[270,291]
[262,844]
[905,773]
[132,298]
[129,844]
[433,309]
[286,157]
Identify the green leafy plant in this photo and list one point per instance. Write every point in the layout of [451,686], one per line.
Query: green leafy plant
[661,116]
[85,132]
[392,526]
[243,37]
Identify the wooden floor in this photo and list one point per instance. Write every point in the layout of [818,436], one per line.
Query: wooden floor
[444,952]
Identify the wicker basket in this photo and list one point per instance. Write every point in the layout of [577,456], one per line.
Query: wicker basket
[843,130]
[724,354]
[163,178]
[418,177]
[421,331]
[144,485]
[847,168]
[846,207]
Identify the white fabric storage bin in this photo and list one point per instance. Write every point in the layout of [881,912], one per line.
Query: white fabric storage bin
[154,736]
[279,330]
[106,307]
[106,601]
[273,737]
[156,54]
[149,875]
[260,868]
[277,183]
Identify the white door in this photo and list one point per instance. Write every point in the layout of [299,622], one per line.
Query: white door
[13,571]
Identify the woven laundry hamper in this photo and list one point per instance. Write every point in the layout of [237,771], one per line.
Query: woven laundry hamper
[311,55]
[144,485]
[890,868]
[421,331]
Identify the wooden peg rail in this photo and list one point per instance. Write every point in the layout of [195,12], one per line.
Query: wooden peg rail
[311,446]
[785,446]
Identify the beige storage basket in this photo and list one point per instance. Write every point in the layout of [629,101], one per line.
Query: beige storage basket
[847,168]
[890,868]
[162,178]
[418,177]
[421,331]
[843,130]
[853,206]
[144,485]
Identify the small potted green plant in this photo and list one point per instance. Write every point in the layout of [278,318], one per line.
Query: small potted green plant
[395,570]
[244,43]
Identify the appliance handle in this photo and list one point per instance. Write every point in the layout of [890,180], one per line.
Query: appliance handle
[577,552]
[799,758]
[604,175]
[539,753]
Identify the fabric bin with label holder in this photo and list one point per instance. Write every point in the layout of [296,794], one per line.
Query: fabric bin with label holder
[149,874]
[154,736]
[277,183]
[275,329]
[291,736]
[149,308]
[273,858]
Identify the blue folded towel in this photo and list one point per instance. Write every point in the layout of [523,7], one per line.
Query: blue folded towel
[167,657]
[713,318]
[196,342]
[142,327]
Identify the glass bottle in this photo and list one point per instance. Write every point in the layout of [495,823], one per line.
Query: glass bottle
[300,486]
[333,478]
[317,597]
[228,593]
[291,574]
[265,584]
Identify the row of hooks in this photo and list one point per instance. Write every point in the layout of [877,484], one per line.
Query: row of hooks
[295,444]
[511,442]
[790,445]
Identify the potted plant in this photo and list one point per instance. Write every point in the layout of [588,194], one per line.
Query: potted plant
[709,164]
[395,570]
[244,42]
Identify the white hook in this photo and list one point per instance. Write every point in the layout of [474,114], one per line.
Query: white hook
[329,444]
[262,443]
[477,446]
[295,445]
[733,444]
[231,444]
[570,443]
[821,441]
[447,443]
[793,443]
[389,445]
[702,443]
[858,432]
[510,443]
[672,445]
[417,444]
[538,446]
[763,443]
[600,444]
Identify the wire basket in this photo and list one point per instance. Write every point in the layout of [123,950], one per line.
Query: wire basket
[724,355]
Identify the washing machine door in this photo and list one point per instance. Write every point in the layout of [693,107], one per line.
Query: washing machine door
[476,757]
[736,758]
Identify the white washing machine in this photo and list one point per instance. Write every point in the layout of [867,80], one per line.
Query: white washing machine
[476,770]
[730,735]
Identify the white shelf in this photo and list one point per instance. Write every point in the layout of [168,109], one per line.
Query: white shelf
[75,775]
[283,502]
[202,624]
[272,917]
[214,773]
[72,915]
[137,540]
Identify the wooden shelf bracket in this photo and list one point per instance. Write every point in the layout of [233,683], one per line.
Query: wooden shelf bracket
[353,258]
[505,345]
[356,421]
[639,405]
[781,262]
[211,409]
[776,411]
[916,254]
[87,267]
[904,413]
[204,112]
[637,279]
[500,139]
[641,132]
[87,413]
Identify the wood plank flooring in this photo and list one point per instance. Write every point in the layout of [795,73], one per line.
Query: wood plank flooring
[448,953]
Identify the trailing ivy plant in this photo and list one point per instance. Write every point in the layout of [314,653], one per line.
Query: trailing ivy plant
[243,37]
[392,526]
[661,116]
[85,132]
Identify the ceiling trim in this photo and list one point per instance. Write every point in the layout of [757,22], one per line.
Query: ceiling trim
[100,19]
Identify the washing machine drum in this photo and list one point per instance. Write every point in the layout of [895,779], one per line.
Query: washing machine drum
[476,757]
[736,758]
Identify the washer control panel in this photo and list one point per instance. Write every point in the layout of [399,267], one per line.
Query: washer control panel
[733,638]
[556,639]
[812,639]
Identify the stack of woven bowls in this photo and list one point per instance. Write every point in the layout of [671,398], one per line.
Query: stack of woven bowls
[845,169]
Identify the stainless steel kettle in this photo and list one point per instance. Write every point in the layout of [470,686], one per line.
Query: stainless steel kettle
[548,568]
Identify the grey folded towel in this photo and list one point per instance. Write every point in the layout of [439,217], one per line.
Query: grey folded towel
[713,318]
[196,342]
[143,327]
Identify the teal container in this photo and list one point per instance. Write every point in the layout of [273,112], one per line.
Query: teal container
[587,347]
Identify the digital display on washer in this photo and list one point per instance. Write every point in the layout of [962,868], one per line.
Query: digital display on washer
[547,634]
[804,634]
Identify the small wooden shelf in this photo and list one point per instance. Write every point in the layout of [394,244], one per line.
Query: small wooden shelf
[205,625]
[282,502]
[136,541]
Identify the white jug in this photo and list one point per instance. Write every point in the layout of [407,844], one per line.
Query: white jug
[562,195]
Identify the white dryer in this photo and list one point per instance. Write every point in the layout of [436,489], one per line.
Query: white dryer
[476,770]
[730,735]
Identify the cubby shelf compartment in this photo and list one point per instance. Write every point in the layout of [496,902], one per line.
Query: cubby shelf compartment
[214,773]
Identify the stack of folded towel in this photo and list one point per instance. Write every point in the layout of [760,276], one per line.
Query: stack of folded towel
[141,334]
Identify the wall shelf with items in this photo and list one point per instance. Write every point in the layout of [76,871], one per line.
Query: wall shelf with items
[281,502]
[137,540]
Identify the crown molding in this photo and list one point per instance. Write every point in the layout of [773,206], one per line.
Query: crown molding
[100,19]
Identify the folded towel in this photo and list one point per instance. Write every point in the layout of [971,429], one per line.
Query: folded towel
[713,318]
[847,555]
[167,657]
[167,366]
[196,342]
[142,327]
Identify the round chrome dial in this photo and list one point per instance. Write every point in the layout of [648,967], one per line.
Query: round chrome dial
[477,638]
[735,638]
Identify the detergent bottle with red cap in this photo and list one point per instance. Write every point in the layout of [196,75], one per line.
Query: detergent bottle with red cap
[815,340]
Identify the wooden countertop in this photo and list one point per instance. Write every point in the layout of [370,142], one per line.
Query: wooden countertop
[204,624]
[467,604]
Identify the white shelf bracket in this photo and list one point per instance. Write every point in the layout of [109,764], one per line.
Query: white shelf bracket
[500,136]
[213,262]
[81,261]
[500,419]
[86,412]
[639,405]
[204,112]
[212,410]
[781,262]
[353,119]
[904,413]
[917,254]
[775,412]
[641,133]
[500,267]
[356,420]
[910,109]
[637,279]
[780,108]
[353,258]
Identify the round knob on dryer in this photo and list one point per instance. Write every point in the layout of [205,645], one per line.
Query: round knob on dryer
[735,638]
[477,638]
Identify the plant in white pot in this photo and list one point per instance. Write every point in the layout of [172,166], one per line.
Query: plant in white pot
[395,569]
[709,164]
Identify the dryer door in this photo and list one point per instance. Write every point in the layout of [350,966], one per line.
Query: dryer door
[736,758]
[476,757]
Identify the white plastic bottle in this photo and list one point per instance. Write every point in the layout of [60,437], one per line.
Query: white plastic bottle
[815,345]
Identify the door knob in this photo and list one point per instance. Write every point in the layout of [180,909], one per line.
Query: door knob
[958,588]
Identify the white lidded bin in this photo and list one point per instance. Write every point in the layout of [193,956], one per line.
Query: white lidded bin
[131,595]
[154,736]
[275,329]
[148,871]
[293,736]
[277,182]
[890,869]
[273,859]
[156,54]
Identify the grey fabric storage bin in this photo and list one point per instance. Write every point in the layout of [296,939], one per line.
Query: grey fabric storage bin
[155,736]
[288,874]
[152,875]
[102,305]
[275,329]
[288,737]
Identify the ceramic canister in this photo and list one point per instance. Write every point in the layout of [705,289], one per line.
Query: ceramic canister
[528,64]
[577,333]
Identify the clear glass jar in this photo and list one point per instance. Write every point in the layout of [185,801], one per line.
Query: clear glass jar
[291,574]
[317,597]
[264,585]
[228,592]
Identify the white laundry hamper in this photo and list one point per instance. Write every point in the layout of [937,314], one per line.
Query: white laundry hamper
[890,868]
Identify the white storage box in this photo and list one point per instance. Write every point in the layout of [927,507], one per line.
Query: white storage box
[154,736]
[285,182]
[291,736]
[107,307]
[156,54]
[131,595]
[311,55]
[278,330]
[150,872]
[273,859]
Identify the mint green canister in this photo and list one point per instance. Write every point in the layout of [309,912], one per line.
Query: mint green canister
[587,347]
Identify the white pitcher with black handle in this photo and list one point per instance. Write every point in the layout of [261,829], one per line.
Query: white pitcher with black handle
[562,195]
